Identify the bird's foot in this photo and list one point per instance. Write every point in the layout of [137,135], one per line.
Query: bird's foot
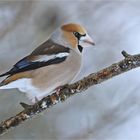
[58,89]
[36,99]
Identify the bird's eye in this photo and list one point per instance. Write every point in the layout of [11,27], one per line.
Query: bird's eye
[77,35]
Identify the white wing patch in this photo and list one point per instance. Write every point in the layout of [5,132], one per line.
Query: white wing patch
[42,58]
[60,55]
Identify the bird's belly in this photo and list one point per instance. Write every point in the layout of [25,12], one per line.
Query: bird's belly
[49,78]
[54,77]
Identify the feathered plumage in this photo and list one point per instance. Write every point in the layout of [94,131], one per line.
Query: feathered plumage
[52,64]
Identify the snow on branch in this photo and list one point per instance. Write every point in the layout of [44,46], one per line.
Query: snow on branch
[128,63]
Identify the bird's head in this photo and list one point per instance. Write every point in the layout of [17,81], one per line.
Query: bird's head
[76,35]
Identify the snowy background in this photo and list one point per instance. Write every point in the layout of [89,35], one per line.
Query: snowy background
[110,110]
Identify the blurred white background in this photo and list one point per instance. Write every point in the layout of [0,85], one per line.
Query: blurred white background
[110,110]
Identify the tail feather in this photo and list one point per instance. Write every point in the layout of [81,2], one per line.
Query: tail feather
[2,83]
[10,72]
[5,74]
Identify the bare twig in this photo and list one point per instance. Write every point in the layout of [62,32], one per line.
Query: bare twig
[130,62]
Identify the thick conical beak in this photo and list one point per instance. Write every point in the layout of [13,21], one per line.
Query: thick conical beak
[88,39]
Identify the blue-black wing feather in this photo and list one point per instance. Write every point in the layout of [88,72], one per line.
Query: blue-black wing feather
[26,64]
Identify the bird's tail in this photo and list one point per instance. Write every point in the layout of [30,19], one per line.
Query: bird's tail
[3,82]
[5,74]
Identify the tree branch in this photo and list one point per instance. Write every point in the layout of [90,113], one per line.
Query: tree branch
[128,63]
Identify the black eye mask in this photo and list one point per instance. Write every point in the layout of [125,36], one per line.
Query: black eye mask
[77,35]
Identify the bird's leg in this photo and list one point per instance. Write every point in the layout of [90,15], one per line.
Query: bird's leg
[58,89]
[36,99]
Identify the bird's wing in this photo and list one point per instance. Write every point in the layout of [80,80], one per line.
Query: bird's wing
[48,53]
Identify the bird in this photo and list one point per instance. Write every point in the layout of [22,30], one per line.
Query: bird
[56,62]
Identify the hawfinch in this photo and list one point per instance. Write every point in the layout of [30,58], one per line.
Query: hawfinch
[54,63]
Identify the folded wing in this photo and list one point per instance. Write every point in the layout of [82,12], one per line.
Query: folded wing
[48,53]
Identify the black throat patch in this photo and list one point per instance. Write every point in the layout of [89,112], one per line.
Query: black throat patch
[80,48]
